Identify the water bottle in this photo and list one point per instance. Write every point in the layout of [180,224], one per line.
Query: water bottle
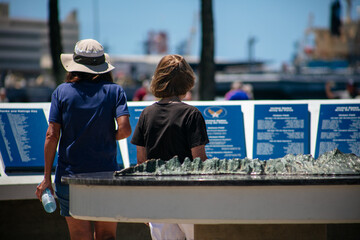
[48,201]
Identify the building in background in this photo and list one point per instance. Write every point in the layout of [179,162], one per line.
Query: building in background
[25,59]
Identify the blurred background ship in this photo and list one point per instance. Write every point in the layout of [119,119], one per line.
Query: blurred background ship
[336,48]
[325,57]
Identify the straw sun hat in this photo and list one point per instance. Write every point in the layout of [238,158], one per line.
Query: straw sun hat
[88,57]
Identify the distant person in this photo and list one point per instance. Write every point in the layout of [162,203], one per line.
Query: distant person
[171,128]
[82,117]
[239,95]
[141,92]
[149,96]
[350,92]
[236,92]
[3,97]
[248,88]
[188,96]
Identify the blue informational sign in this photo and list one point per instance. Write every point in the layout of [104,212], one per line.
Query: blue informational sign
[22,137]
[280,130]
[135,112]
[225,128]
[338,127]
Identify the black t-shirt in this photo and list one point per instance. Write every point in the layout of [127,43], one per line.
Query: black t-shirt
[170,129]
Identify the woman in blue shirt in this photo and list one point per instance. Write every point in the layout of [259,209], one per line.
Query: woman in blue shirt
[82,120]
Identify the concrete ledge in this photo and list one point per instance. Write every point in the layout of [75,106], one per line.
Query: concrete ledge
[217,204]
[19,187]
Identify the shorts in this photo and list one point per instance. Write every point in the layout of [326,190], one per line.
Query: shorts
[62,193]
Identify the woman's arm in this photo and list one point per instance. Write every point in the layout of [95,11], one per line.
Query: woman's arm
[124,128]
[141,154]
[51,142]
[199,151]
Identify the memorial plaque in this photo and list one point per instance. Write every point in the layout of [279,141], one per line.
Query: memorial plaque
[225,128]
[339,127]
[281,130]
[22,133]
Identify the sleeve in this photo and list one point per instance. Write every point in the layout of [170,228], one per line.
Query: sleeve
[121,107]
[55,114]
[197,134]
[138,136]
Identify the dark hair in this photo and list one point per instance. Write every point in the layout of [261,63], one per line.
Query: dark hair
[173,77]
[82,76]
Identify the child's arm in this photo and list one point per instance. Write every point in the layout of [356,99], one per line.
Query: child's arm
[199,151]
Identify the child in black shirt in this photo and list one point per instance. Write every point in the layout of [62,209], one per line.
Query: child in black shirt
[171,128]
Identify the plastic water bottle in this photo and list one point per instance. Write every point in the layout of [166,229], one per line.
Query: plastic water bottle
[48,201]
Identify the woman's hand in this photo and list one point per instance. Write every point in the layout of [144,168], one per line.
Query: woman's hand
[42,186]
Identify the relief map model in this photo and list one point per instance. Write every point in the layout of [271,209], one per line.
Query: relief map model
[330,163]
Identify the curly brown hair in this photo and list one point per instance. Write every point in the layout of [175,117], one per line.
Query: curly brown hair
[173,77]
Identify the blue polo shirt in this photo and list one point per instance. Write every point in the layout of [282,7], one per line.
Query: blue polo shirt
[87,113]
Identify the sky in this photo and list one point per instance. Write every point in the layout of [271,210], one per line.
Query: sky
[123,25]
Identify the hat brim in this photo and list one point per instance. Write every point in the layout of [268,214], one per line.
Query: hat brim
[71,66]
